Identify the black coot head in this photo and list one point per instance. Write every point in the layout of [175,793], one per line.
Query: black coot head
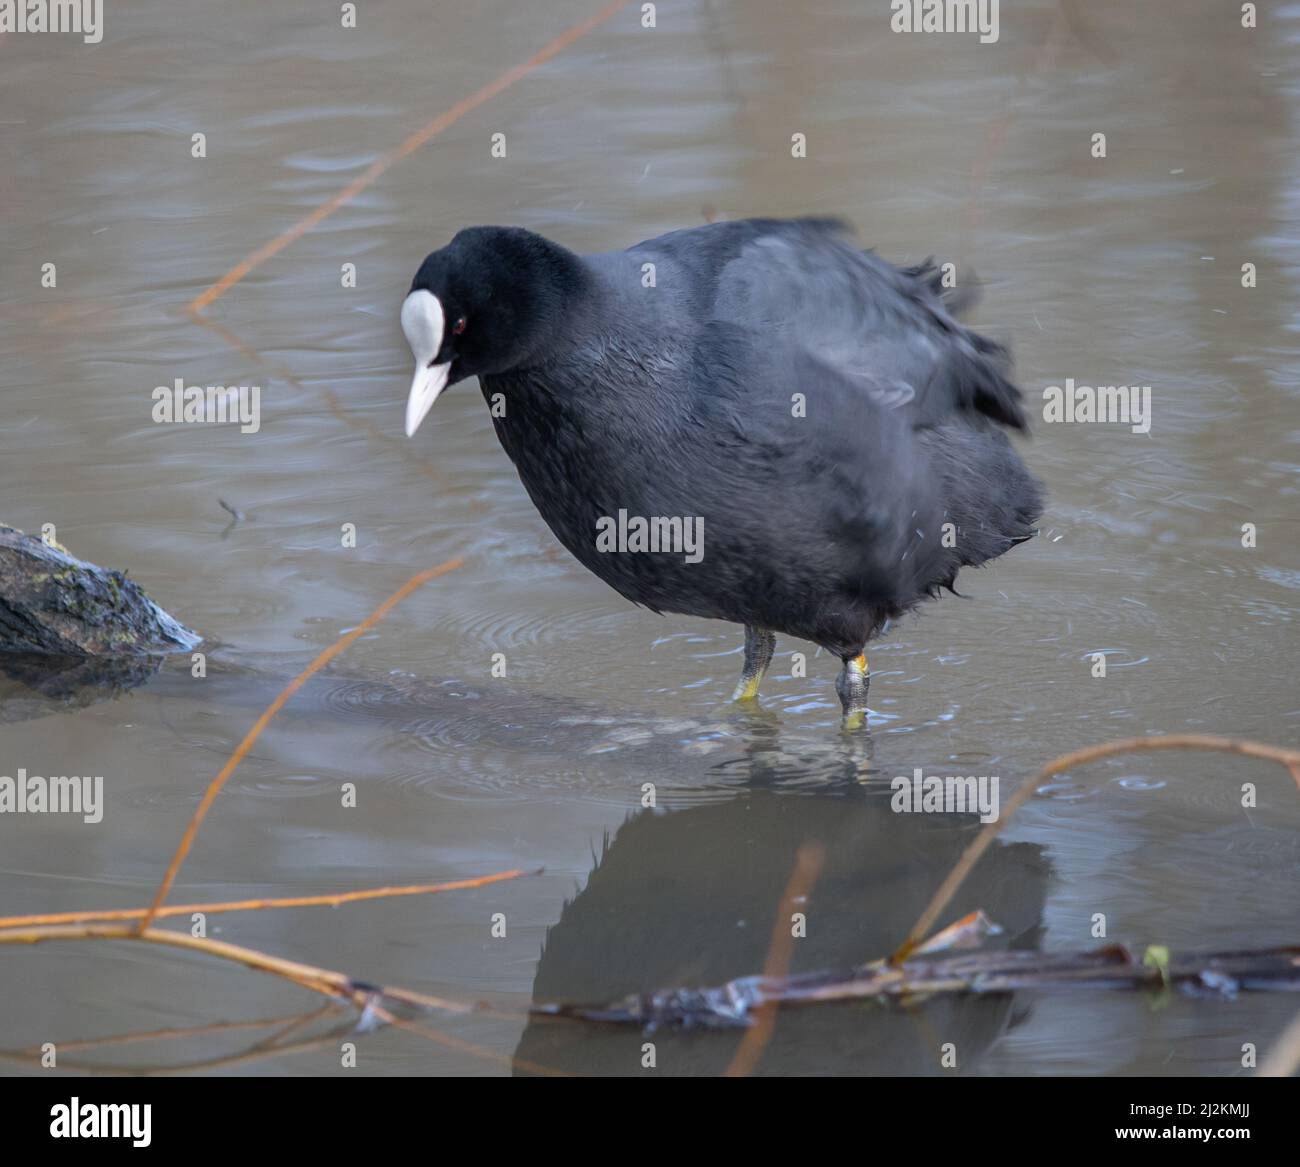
[486,303]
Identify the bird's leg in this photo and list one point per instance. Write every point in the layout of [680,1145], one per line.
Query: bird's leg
[759,646]
[852,685]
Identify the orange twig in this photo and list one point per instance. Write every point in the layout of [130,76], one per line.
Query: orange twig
[255,1054]
[332,900]
[431,129]
[171,1033]
[408,451]
[327,655]
[327,982]
[982,841]
[466,1047]
[807,867]
[1284,1058]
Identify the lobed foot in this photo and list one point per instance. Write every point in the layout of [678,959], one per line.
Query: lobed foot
[759,647]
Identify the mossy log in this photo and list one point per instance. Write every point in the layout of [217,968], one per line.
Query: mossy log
[54,603]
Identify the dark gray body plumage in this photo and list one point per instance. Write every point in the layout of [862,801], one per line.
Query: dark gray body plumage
[678,400]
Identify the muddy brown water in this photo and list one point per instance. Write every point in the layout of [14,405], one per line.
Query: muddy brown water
[1122,270]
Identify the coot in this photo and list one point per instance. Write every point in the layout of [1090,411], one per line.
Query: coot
[754,421]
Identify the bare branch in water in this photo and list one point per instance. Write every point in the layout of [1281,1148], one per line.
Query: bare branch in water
[1219,974]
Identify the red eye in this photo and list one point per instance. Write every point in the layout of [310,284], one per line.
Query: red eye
[459,326]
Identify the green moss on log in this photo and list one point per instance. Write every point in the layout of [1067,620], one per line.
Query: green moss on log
[53,602]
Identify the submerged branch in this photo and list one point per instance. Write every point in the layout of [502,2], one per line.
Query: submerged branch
[1220,974]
